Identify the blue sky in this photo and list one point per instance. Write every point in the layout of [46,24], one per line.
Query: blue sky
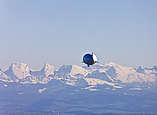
[61,31]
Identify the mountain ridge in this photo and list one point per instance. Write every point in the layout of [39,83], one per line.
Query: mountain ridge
[98,89]
[110,74]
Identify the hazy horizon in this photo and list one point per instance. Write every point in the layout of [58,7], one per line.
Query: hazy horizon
[60,32]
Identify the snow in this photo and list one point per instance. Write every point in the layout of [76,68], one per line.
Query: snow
[4,77]
[48,69]
[129,74]
[94,81]
[111,74]
[18,70]
[42,90]
[5,85]
[72,71]
[135,88]
[90,88]
[70,82]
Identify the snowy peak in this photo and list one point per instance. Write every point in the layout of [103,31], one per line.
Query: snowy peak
[76,75]
[41,76]
[112,64]
[128,74]
[48,69]
[140,70]
[116,66]
[4,77]
[72,70]
[18,70]
[78,70]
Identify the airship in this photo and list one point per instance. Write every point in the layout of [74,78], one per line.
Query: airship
[89,59]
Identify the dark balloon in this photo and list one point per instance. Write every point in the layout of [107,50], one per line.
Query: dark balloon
[89,59]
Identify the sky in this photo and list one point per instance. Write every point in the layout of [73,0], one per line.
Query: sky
[62,31]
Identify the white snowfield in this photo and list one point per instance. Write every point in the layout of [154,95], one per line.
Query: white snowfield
[41,90]
[19,70]
[94,81]
[111,74]
[129,74]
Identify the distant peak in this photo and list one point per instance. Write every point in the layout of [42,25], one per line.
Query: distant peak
[18,64]
[70,67]
[20,70]
[48,69]
[76,66]
[112,64]
[47,66]
[140,69]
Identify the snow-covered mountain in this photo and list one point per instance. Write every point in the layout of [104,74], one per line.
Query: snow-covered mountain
[70,88]
[42,76]
[4,77]
[111,74]
[18,71]
[45,71]
[129,74]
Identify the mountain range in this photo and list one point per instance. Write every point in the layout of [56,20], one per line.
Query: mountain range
[77,89]
[111,74]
